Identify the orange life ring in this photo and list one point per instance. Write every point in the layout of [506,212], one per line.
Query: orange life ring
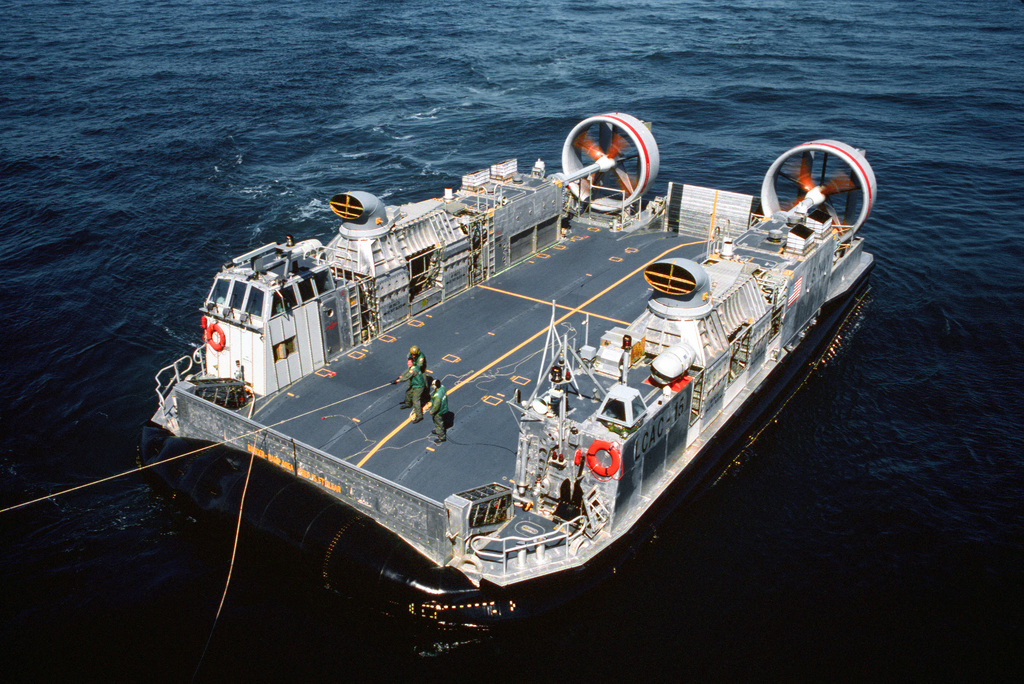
[613,450]
[215,337]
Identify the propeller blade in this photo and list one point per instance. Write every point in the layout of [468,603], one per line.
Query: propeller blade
[604,133]
[625,182]
[586,143]
[617,145]
[804,180]
[838,183]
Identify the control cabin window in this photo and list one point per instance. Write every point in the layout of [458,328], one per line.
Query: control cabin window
[237,296]
[284,300]
[323,281]
[290,296]
[219,294]
[625,411]
[615,410]
[306,290]
[638,409]
[254,305]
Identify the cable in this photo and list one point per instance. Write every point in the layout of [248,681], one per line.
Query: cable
[231,567]
[188,453]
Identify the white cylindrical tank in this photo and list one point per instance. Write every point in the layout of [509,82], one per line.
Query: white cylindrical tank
[671,364]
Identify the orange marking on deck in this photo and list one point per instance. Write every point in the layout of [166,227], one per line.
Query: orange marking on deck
[387,338]
[414,323]
[541,301]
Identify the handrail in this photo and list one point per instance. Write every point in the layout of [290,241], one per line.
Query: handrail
[509,546]
[162,389]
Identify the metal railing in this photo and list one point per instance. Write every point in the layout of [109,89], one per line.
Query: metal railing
[176,372]
[503,549]
[419,520]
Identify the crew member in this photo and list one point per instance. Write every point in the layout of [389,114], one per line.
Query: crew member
[439,407]
[414,393]
[418,357]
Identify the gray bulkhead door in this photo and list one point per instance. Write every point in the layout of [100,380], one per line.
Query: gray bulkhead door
[334,313]
[330,322]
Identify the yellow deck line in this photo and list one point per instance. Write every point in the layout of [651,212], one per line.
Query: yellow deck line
[522,344]
[541,301]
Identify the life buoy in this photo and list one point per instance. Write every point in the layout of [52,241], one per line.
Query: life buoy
[215,337]
[613,450]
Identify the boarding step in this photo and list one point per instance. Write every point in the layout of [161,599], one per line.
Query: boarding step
[597,514]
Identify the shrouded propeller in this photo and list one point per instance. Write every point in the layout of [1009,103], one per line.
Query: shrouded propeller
[613,157]
[822,175]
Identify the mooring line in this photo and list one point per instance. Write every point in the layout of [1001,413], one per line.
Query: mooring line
[231,567]
[179,456]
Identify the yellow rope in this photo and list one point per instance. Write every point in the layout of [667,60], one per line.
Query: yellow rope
[179,456]
[231,567]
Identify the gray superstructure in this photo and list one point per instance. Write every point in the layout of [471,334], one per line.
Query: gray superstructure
[594,345]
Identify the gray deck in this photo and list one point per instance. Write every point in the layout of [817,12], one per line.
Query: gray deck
[482,344]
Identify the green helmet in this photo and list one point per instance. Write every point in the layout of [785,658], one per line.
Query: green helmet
[414,351]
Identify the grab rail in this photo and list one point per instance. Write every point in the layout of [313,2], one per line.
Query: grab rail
[501,549]
[162,388]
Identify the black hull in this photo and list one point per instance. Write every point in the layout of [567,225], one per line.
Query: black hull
[356,556]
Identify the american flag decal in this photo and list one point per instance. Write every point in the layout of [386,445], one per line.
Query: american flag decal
[796,291]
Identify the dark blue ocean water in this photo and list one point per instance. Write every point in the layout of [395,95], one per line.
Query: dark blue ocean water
[875,531]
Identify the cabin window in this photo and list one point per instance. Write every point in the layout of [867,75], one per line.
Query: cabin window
[219,295]
[615,410]
[323,282]
[254,306]
[285,349]
[306,290]
[638,409]
[284,300]
[237,296]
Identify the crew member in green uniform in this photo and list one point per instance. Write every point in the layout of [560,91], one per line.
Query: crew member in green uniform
[439,407]
[419,358]
[414,394]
